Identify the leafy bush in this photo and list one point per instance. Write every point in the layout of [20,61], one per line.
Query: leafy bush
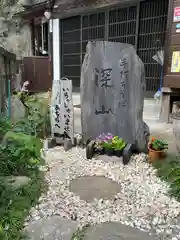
[37,120]
[169,171]
[19,155]
[158,145]
[5,126]
[118,143]
[22,140]
[15,205]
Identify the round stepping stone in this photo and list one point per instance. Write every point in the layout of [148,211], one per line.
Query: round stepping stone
[52,228]
[115,231]
[90,187]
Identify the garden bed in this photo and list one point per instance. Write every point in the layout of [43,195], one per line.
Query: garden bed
[112,146]
[21,174]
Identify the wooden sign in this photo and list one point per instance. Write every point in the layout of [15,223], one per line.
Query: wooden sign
[62,112]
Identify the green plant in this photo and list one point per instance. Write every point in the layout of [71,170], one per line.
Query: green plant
[5,126]
[37,119]
[107,145]
[169,171]
[118,143]
[158,145]
[19,155]
[80,233]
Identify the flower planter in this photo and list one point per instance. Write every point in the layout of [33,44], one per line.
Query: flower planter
[118,153]
[156,155]
[109,152]
[98,151]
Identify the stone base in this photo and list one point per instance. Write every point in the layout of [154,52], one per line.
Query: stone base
[126,153]
[165,108]
[89,188]
[115,231]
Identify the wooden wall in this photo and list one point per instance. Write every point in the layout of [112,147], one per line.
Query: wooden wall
[172,79]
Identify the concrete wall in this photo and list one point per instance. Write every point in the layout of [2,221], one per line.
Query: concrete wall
[20,44]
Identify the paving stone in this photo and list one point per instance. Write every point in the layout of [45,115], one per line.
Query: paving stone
[16,181]
[115,231]
[52,228]
[90,187]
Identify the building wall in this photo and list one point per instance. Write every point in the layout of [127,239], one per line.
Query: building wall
[171,79]
[20,44]
[74,7]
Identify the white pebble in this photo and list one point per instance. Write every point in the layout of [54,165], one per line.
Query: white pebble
[142,202]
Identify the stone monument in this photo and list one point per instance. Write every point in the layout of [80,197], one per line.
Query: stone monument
[112,93]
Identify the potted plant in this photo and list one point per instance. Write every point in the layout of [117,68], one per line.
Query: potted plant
[103,144]
[157,149]
[118,145]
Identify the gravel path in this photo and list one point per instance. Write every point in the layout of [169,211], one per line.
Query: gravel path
[142,202]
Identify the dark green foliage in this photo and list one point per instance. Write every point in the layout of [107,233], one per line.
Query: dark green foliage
[169,171]
[5,126]
[19,149]
[19,156]
[37,120]
[159,145]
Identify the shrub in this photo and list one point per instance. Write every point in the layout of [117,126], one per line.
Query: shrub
[169,171]
[17,154]
[37,120]
[5,126]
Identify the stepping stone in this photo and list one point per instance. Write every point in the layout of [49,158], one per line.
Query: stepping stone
[16,181]
[90,187]
[52,228]
[115,231]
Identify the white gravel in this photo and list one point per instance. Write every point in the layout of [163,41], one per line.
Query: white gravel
[143,201]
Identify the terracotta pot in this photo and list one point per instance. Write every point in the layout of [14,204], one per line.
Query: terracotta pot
[156,155]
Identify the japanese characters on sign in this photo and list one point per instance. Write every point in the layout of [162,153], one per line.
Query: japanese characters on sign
[176,14]
[103,111]
[105,77]
[123,80]
[62,117]
[57,116]
[67,110]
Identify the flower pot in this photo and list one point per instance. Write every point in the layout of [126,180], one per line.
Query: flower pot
[118,153]
[156,155]
[109,152]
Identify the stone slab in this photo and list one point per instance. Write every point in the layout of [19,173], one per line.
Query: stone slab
[90,187]
[112,93]
[52,228]
[16,181]
[115,231]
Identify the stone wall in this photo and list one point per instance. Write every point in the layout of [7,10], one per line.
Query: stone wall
[15,36]
[20,43]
